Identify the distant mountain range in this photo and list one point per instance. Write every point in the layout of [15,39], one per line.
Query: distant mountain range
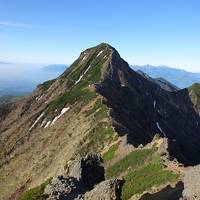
[25,80]
[31,78]
[178,77]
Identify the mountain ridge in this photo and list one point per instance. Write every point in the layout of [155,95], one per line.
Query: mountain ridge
[97,101]
[180,78]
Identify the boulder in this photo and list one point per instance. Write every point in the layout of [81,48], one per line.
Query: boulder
[192,183]
[89,169]
[106,190]
[64,188]
[84,174]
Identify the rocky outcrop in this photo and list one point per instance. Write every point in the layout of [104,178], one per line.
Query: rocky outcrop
[89,170]
[106,190]
[192,184]
[85,182]
[167,193]
[64,188]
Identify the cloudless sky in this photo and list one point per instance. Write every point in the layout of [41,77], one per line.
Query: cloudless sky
[157,32]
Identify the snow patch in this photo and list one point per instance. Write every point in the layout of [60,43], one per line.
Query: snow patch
[36,121]
[81,76]
[63,111]
[84,58]
[99,53]
[160,129]
[154,103]
[40,97]
[43,123]
[47,124]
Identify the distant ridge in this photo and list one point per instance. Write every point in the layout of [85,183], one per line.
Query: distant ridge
[178,77]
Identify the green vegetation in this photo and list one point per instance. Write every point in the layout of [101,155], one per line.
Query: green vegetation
[100,135]
[145,177]
[110,153]
[133,160]
[79,91]
[141,170]
[94,73]
[196,90]
[35,193]
[84,95]
[99,110]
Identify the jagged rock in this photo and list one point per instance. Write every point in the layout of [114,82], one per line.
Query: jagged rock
[64,188]
[88,169]
[84,174]
[192,184]
[106,190]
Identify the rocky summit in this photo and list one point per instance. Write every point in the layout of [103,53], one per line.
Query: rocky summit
[99,104]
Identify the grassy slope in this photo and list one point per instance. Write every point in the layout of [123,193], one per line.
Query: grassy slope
[196,90]
[76,98]
[110,153]
[80,95]
[35,193]
[141,170]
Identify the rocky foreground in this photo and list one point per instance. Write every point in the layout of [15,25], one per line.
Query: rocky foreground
[86,180]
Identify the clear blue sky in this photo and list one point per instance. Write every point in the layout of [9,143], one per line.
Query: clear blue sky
[158,32]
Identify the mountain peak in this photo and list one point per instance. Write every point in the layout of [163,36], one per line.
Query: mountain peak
[100,48]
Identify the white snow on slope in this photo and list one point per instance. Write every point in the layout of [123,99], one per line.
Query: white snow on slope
[63,111]
[36,121]
[47,124]
[99,53]
[81,76]
[154,103]
[43,123]
[84,58]
[160,129]
[40,97]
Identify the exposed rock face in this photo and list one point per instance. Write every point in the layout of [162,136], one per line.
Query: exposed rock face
[64,188]
[85,174]
[192,184]
[167,193]
[89,170]
[140,108]
[106,190]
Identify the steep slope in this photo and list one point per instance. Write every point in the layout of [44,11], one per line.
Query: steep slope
[142,108]
[95,101]
[194,92]
[166,85]
[63,117]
